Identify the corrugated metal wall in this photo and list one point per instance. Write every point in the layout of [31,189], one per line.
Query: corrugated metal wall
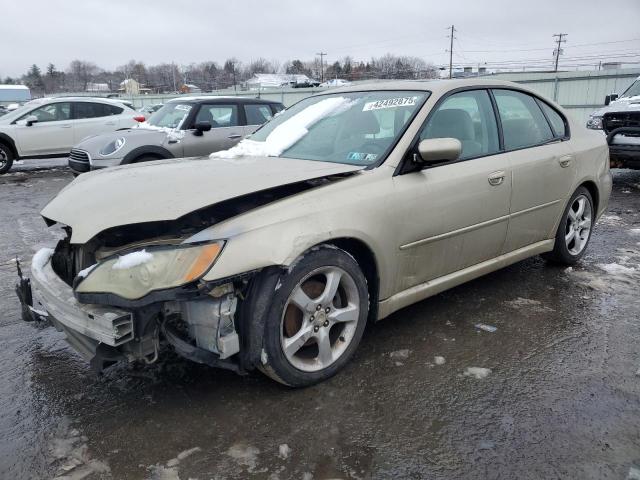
[579,92]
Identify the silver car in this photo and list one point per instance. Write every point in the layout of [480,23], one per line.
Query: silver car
[347,207]
[183,127]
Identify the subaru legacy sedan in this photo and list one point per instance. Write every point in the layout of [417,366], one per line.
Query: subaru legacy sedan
[350,205]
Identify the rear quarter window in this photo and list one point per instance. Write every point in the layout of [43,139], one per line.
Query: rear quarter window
[558,122]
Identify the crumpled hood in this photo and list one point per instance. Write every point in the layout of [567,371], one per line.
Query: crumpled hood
[169,189]
[624,104]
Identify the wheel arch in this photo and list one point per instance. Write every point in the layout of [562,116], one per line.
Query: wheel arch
[138,152]
[593,190]
[366,259]
[8,141]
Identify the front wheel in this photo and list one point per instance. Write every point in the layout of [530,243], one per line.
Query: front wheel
[316,318]
[574,231]
[6,159]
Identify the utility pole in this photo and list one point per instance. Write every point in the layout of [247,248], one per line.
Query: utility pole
[451,52]
[322,54]
[560,41]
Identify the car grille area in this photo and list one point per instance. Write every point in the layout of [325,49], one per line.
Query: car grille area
[79,160]
[614,120]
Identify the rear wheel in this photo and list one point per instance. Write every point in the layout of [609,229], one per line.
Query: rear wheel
[316,319]
[574,231]
[6,158]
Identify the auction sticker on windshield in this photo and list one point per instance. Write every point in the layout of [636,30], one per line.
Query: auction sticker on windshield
[390,103]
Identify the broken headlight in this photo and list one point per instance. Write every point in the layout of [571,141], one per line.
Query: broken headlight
[135,274]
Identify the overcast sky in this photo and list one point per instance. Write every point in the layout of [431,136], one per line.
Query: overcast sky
[111,32]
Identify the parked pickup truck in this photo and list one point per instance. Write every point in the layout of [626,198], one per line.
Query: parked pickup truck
[619,119]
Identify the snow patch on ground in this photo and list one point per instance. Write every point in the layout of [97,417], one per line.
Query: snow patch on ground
[477,372]
[400,354]
[170,471]
[132,259]
[284,451]
[245,455]
[616,269]
[635,231]
[529,304]
[69,452]
[485,327]
[610,220]
[289,132]
[439,360]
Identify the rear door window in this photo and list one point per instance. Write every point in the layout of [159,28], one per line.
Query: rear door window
[83,110]
[220,115]
[257,114]
[523,124]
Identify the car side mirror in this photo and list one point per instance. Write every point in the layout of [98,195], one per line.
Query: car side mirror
[30,120]
[202,126]
[610,98]
[438,150]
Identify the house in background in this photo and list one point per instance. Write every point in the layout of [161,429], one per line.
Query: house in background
[190,88]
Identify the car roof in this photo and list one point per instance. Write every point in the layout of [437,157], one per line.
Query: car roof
[436,86]
[222,99]
[77,99]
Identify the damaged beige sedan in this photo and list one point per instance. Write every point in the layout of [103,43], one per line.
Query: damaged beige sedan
[343,209]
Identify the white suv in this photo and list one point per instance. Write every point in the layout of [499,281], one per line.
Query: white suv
[49,127]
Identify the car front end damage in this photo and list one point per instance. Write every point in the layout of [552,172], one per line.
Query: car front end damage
[197,318]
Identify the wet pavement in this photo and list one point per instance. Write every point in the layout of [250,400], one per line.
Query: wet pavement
[553,392]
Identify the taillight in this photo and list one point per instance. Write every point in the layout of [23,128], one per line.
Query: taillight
[139,118]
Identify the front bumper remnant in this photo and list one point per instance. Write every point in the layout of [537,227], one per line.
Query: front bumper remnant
[105,334]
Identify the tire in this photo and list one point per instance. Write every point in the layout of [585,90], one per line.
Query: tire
[6,158]
[328,330]
[574,230]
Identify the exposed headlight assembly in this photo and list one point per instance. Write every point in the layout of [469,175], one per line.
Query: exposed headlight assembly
[138,273]
[112,147]
[594,123]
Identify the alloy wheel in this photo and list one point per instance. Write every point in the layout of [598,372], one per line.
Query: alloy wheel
[579,221]
[320,319]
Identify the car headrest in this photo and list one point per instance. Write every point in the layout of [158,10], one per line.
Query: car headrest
[520,132]
[364,124]
[451,123]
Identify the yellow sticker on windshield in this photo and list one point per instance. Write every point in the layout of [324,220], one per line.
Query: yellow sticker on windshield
[390,103]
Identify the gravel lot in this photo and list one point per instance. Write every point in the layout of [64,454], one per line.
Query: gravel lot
[561,398]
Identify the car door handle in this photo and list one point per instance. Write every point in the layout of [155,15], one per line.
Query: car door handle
[234,136]
[496,178]
[110,123]
[565,160]
[65,126]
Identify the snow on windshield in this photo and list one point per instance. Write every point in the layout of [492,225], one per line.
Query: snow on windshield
[290,131]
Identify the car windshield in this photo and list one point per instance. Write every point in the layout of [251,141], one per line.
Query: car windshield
[357,128]
[633,90]
[171,115]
